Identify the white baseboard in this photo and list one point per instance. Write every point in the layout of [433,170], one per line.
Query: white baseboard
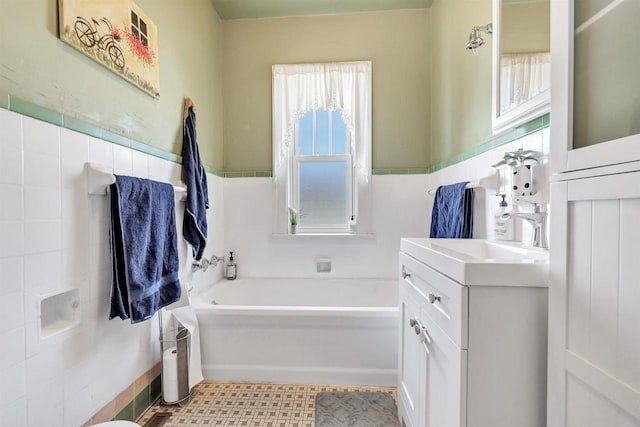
[301,375]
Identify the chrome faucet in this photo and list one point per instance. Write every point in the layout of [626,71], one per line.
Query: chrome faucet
[538,219]
[204,263]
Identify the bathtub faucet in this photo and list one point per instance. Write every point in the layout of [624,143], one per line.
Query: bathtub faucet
[204,263]
[538,219]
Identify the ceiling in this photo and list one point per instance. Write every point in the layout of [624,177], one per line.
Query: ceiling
[251,9]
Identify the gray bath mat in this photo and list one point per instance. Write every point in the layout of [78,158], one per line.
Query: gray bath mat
[355,409]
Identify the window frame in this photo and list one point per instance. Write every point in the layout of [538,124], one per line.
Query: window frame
[298,158]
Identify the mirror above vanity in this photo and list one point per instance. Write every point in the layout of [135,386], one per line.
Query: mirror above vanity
[521,62]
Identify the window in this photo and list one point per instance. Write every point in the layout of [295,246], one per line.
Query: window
[322,172]
[139,29]
[322,146]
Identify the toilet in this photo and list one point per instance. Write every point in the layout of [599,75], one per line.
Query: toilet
[117,424]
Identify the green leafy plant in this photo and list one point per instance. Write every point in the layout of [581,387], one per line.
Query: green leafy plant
[518,158]
[294,216]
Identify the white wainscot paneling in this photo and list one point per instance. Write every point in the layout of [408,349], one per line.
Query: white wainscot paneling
[603,296]
[628,319]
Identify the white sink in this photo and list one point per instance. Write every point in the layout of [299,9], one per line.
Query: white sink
[481,262]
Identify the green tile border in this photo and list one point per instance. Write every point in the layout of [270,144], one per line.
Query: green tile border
[247,174]
[115,138]
[141,403]
[35,111]
[214,171]
[38,112]
[399,171]
[528,128]
[126,414]
[155,389]
[76,125]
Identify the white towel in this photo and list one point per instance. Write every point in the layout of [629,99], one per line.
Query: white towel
[186,317]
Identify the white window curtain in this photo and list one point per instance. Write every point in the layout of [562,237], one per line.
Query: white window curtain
[300,88]
[522,77]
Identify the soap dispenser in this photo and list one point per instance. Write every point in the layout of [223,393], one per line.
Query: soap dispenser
[231,269]
[503,228]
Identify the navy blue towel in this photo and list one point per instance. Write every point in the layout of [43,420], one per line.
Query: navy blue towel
[144,248]
[194,227]
[452,215]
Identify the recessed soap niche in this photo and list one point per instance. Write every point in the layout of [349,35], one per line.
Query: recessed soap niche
[59,311]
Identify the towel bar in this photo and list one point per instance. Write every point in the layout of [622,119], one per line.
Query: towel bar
[489,182]
[101,177]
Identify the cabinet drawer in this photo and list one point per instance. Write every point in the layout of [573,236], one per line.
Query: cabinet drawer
[447,300]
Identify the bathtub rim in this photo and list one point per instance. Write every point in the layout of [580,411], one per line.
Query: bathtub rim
[297,310]
[197,300]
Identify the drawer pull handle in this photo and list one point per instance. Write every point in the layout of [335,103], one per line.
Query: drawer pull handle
[433,297]
[421,331]
[406,275]
[416,325]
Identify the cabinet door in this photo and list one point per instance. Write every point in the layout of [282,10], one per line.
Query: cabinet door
[446,376]
[594,84]
[594,300]
[412,360]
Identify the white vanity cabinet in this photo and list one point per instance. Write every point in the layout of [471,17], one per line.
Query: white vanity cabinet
[470,356]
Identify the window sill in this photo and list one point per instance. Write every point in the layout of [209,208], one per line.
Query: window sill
[324,236]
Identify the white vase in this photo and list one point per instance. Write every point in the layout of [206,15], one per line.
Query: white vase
[293,228]
[523,181]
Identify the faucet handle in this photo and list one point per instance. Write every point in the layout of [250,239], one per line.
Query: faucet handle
[537,207]
[540,207]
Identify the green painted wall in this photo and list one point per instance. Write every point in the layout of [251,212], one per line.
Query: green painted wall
[396,42]
[461,80]
[36,66]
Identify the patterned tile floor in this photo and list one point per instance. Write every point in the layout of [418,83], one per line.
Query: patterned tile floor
[215,404]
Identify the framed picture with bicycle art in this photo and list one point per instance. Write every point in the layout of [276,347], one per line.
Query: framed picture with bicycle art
[116,34]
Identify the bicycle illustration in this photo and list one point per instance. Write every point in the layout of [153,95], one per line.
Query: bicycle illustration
[89,35]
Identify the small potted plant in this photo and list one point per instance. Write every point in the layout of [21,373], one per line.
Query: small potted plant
[294,217]
[518,158]
[521,162]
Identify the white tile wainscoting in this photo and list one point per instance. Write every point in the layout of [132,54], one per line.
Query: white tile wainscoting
[54,236]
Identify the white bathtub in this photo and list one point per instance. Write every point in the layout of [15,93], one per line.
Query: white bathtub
[308,331]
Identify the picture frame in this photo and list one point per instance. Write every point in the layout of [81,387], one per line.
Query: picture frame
[118,35]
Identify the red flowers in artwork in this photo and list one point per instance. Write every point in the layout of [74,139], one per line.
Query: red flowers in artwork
[139,49]
[116,33]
